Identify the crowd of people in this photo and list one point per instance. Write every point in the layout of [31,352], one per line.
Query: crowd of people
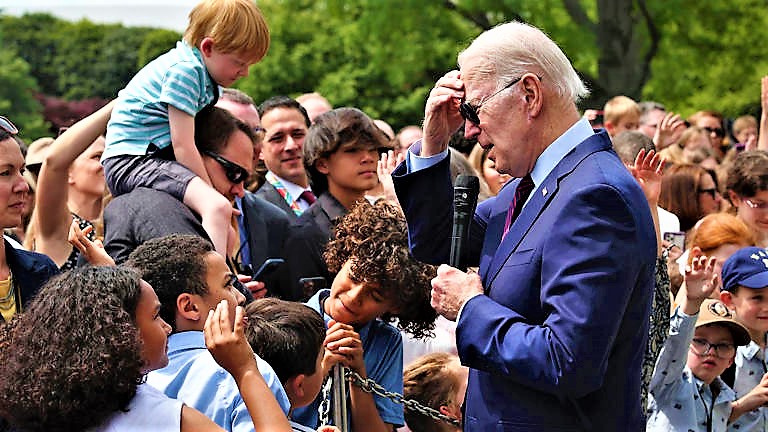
[185,258]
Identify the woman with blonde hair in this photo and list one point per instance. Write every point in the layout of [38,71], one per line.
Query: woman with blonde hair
[486,170]
[70,186]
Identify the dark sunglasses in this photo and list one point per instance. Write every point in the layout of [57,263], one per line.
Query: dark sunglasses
[710,192]
[7,126]
[718,131]
[470,113]
[234,172]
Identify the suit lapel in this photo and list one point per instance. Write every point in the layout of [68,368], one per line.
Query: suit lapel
[539,200]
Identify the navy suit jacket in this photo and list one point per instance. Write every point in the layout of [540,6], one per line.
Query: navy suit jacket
[31,270]
[557,340]
[267,228]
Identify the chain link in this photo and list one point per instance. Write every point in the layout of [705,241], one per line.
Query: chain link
[325,403]
[370,386]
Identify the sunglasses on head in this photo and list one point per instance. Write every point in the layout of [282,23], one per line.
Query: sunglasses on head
[234,172]
[8,126]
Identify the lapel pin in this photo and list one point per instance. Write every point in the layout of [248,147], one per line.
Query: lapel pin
[544,191]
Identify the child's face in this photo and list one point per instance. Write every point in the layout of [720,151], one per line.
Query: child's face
[627,122]
[753,210]
[351,169]
[219,280]
[153,331]
[355,302]
[750,306]
[704,362]
[225,68]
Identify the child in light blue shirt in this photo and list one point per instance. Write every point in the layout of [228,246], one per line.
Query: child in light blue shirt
[376,282]
[686,392]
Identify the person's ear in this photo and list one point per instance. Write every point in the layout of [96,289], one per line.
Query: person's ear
[727,298]
[447,411]
[322,166]
[533,94]
[609,126]
[295,386]
[187,307]
[734,198]
[206,46]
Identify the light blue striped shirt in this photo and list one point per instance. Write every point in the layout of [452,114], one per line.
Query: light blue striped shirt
[140,117]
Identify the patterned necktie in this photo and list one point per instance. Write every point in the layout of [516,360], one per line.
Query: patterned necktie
[524,189]
[308,196]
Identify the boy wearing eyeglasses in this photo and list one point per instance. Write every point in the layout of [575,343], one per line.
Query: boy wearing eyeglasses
[745,291]
[686,392]
[150,139]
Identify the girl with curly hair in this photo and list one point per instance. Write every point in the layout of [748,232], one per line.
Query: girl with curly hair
[376,283]
[76,359]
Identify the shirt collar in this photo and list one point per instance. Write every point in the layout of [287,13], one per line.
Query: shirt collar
[186,340]
[293,189]
[750,351]
[555,152]
[188,52]
[331,206]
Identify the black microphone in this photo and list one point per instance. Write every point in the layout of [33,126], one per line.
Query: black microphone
[464,201]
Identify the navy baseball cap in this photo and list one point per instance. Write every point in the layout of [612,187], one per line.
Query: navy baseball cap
[748,267]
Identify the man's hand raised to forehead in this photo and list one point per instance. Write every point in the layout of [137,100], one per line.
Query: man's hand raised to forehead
[441,114]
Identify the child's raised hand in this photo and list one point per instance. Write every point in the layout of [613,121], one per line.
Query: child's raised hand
[388,162]
[343,345]
[647,170]
[700,281]
[227,343]
[93,252]
[756,398]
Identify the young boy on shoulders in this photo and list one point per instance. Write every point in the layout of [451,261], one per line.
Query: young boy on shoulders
[150,136]
[377,281]
[290,336]
[745,291]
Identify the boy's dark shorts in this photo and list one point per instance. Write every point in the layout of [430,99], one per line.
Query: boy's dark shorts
[128,172]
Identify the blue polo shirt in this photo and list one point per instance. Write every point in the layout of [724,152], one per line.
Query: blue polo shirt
[178,78]
[383,358]
[194,377]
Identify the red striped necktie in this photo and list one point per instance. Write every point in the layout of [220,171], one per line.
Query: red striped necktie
[522,192]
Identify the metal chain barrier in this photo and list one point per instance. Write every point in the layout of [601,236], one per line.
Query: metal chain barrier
[325,403]
[370,386]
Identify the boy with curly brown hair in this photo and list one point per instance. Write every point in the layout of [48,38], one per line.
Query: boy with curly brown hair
[376,283]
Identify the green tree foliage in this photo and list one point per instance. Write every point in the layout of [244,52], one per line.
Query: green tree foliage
[35,37]
[17,101]
[156,42]
[82,60]
[712,56]
[382,57]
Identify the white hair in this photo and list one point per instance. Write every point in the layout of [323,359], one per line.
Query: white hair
[510,50]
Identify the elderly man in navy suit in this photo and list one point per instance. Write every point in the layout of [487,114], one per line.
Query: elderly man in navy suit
[555,324]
